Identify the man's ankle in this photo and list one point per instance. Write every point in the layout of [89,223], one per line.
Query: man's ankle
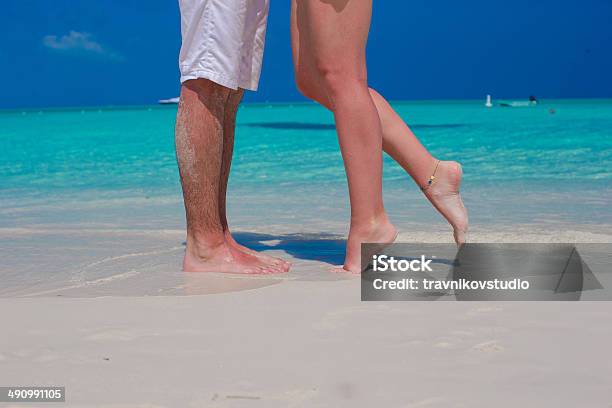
[204,245]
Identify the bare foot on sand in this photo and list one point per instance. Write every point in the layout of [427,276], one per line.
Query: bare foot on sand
[379,232]
[270,260]
[225,259]
[444,195]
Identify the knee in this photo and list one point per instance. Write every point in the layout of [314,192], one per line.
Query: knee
[310,88]
[205,88]
[339,81]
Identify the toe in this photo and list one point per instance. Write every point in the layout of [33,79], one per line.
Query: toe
[274,269]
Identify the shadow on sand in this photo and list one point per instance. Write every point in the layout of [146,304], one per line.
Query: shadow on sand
[323,247]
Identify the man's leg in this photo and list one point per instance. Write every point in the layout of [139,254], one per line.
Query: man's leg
[199,149]
[229,127]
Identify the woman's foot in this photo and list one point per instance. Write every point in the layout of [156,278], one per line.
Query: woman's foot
[269,260]
[378,232]
[443,193]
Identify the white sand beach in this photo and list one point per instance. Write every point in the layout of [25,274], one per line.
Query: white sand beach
[103,309]
[308,344]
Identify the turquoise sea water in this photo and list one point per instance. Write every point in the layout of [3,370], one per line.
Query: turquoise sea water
[291,152]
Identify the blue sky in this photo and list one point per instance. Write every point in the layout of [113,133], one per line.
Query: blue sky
[111,52]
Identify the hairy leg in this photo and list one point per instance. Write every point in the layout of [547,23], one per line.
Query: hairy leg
[333,35]
[398,139]
[229,127]
[199,147]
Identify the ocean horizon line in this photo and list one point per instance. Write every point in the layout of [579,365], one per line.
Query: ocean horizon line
[70,108]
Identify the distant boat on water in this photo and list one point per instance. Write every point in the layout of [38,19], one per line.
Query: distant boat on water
[520,104]
[512,104]
[168,101]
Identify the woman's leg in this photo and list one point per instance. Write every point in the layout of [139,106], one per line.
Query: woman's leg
[402,145]
[333,35]
[398,140]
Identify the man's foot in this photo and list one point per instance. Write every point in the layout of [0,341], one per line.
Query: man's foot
[270,260]
[224,259]
[444,195]
[382,232]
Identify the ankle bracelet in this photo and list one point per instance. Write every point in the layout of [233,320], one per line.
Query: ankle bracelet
[432,178]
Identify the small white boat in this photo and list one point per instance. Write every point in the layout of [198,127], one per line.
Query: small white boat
[169,101]
[520,104]
[489,102]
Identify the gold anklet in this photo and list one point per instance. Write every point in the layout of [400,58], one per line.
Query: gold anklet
[432,178]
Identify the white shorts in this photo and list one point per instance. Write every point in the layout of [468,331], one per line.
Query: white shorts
[223,41]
